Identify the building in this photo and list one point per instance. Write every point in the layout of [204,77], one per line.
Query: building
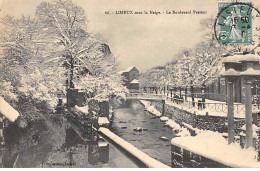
[134,86]
[131,78]
[241,64]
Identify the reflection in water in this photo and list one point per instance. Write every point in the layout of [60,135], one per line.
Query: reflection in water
[72,138]
[1,156]
[98,151]
[104,151]
[132,104]
[46,143]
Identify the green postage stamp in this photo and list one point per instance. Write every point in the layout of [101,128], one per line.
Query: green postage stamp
[235,22]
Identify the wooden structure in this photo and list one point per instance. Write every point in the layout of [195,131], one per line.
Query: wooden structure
[244,68]
[130,75]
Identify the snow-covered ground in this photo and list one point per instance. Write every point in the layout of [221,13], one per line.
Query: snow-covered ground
[213,146]
[150,108]
[254,130]
[203,112]
[207,143]
[171,123]
[210,144]
[238,113]
[181,131]
[103,121]
[8,111]
[164,119]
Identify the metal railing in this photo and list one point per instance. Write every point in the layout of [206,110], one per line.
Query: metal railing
[145,95]
[239,109]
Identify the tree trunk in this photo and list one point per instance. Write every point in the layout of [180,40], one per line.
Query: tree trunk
[192,95]
[171,94]
[71,85]
[186,93]
[203,96]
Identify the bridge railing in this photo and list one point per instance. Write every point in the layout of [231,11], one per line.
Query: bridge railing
[145,95]
[239,109]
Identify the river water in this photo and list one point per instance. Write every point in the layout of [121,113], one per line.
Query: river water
[131,116]
[49,144]
[60,147]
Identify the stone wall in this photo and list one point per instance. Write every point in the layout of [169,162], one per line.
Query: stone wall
[182,158]
[213,123]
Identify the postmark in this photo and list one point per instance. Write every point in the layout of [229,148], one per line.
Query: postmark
[234,23]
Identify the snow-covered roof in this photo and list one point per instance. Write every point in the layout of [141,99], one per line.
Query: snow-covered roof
[135,81]
[103,120]
[241,58]
[250,58]
[231,72]
[83,109]
[102,144]
[250,71]
[257,49]
[8,111]
[232,59]
[127,70]
[121,72]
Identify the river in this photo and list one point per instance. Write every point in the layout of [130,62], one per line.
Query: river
[133,115]
[54,143]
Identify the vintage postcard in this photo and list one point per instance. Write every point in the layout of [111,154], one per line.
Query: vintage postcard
[129,84]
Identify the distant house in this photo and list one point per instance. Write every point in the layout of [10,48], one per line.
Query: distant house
[134,85]
[131,78]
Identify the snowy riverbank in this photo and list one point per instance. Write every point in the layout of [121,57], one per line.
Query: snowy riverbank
[207,143]
[150,108]
[180,131]
[212,145]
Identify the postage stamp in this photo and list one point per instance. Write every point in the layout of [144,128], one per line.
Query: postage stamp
[235,23]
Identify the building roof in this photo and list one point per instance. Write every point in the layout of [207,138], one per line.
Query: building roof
[127,70]
[242,58]
[135,81]
[230,72]
[233,72]
[250,71]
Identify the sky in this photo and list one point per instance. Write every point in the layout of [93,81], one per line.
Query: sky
[144,41]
